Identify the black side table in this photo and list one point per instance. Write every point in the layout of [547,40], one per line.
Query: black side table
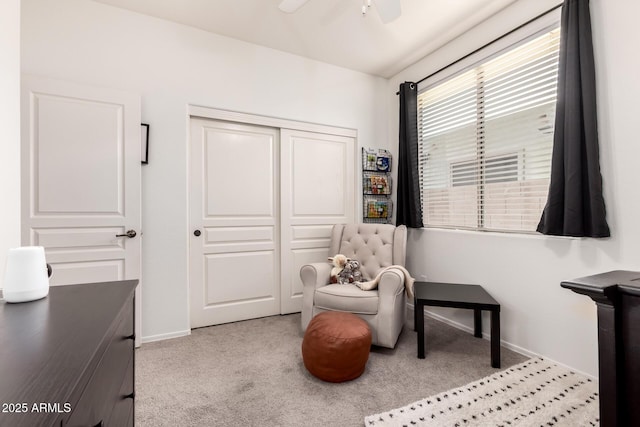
[458,296]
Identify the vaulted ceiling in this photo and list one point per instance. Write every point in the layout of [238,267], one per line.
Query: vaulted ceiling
[331,31]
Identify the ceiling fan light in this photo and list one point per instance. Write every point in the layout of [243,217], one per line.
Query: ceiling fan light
[388,10]
[290,6]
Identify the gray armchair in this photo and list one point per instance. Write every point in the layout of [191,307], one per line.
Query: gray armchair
[375,246]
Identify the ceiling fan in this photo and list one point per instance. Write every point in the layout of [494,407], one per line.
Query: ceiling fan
[387,9]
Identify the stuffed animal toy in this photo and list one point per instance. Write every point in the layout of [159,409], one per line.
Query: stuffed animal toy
[339,261]
[350,273]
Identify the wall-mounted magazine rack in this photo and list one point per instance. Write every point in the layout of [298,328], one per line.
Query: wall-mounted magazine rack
[376,186]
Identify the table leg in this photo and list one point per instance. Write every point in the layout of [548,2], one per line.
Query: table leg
[419,318]
[477,323]
[415,314]
[495,338]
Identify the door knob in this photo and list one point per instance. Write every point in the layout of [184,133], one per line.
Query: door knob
[197,233]
[130,234]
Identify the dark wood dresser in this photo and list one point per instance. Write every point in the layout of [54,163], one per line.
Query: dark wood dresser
[617,296]
[68,359]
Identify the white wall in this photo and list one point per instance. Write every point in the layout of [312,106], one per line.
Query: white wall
[173,66]
[523,272]
[9,129]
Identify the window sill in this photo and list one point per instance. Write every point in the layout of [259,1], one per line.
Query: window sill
[516,234]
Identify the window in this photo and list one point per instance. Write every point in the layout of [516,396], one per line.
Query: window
[497,169]
[485,140]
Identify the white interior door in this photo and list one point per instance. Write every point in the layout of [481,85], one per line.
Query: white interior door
[81,181]
[234,246]
[318,190]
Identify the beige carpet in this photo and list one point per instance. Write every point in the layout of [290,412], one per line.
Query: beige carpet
[534,393]
[251,374]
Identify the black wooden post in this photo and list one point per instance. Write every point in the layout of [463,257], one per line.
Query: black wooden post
[617,296]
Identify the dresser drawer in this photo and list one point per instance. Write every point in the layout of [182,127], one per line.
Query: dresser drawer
[122,413]
[103,390]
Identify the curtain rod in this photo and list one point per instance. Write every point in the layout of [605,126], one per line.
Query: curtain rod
[488,44]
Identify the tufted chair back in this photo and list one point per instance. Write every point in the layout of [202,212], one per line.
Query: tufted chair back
[375,246]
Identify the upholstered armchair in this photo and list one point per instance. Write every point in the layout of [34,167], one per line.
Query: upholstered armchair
[375,246]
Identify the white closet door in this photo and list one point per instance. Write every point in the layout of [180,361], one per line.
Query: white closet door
[234,243]
[81,181]
[318,190]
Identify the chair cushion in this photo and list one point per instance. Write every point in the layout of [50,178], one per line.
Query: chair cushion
[348,298]
[336,346]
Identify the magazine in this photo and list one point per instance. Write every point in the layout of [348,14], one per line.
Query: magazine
[377,184]
[377,208]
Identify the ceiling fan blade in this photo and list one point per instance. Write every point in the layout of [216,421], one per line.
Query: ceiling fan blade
[388,10]
[290,6]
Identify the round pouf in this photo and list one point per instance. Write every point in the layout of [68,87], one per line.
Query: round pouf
[336,346]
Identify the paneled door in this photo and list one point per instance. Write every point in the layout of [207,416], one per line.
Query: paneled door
[234,211]
[318,190]
[81,181]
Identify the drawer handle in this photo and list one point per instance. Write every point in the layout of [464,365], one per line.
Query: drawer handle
[131,395]
[130,337]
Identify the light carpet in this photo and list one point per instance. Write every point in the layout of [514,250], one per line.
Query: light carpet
[534,393]
[251,373]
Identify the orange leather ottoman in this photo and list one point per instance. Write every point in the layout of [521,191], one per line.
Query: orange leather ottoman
[336,346]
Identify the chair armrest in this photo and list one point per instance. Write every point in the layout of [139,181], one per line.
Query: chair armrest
[391,306]
[315,275]
[391,283]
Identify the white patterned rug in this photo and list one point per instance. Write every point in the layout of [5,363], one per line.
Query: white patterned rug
[534,393]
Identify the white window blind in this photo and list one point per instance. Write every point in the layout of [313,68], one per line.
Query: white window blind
[485,140]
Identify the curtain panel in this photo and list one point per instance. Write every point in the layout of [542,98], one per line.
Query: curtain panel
[575,204]
[409,210]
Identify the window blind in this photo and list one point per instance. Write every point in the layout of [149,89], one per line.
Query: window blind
[485,140]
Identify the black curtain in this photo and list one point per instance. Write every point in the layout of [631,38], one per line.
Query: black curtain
[409,210]
[575,206]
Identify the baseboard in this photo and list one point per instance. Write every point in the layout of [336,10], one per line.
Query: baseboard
[160,337]
[571,368]
[503,343]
